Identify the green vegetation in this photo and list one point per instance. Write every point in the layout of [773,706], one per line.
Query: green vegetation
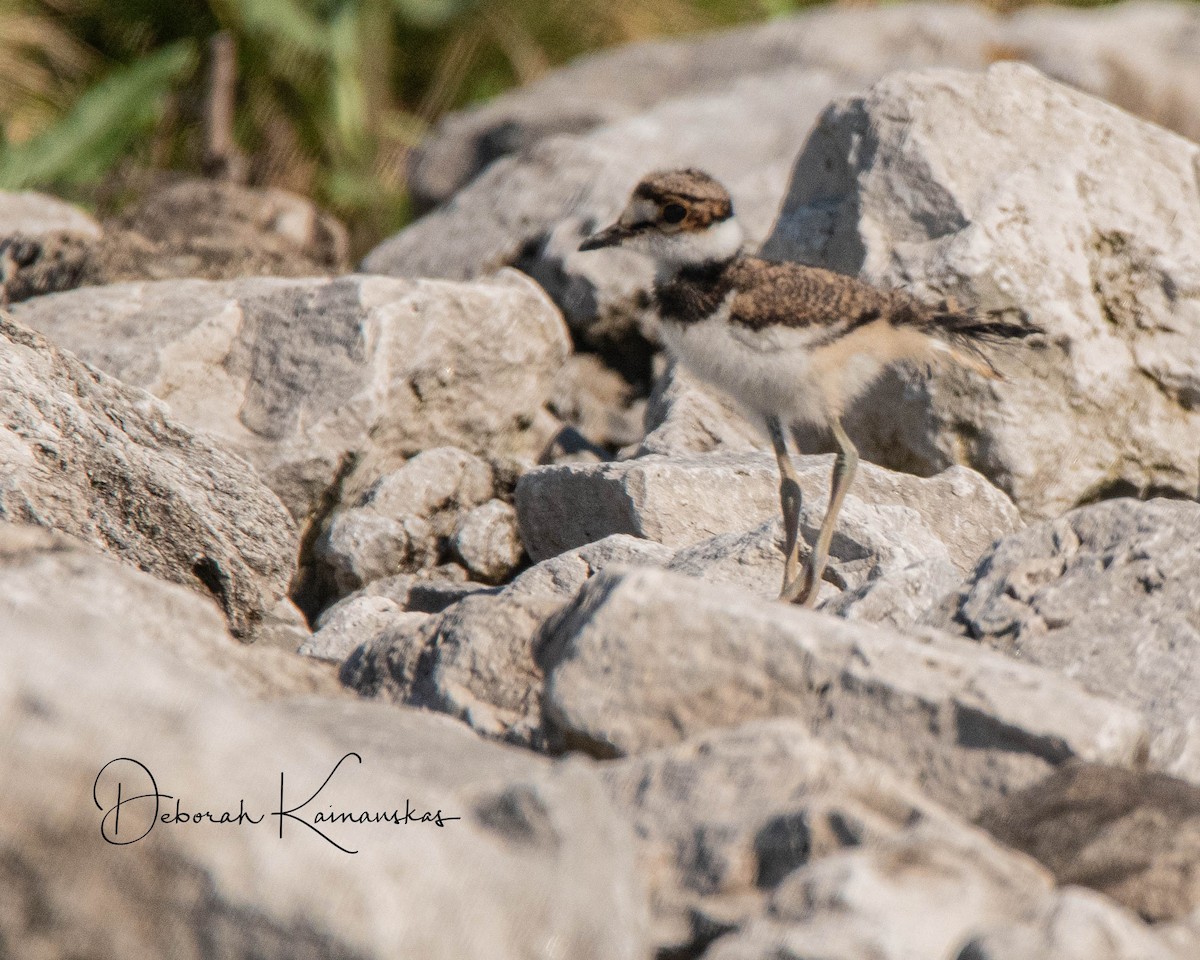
[331,94]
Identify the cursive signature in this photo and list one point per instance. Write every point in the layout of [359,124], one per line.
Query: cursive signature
[134,805]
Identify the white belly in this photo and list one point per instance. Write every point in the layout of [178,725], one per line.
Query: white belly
[783,372]
[769,374]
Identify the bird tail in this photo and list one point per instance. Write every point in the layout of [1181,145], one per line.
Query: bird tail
[961,334]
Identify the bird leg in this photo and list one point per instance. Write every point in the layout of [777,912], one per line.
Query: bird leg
[789,502]
[805,588]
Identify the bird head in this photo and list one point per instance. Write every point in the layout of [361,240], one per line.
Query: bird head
[678,217]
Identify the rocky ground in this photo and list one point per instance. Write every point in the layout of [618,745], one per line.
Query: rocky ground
[452,520]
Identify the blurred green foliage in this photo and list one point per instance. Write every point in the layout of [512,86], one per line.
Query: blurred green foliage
[331,93]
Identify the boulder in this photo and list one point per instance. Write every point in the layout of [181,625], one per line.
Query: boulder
[493,852]
[85,454]
[60,579]
[722,511]
[405,521]
[604,88]
[916,895]
[643,659]
[1143,55]
[1106,595]
[1077,924]
[1008,191]
[727,817]
[44,244]
[215,230]
[487,542]
[1130,834]
[475,660]
[327,385]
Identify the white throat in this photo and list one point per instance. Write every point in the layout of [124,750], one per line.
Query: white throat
[715,244]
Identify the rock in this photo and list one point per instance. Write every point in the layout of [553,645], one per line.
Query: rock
[219,231]
[724,818]
[60,582]
[1105,595]
[44,244]
[599,403]
[643,659]
[902,597]
[351,622]
[888,518]
[1144,57]
[1132,835]
[89,456]
[607,87]
[537,856]
[404,523]
[684,416]
[487,542]
[475,660]
[326,385]
[1009,191]
[912,896]
[1077,924]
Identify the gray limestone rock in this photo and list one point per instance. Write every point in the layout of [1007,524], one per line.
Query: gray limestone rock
[1144,55]
[68,585]
[1008,191]
[475,660]
[905,539]
[727,817]
[487,542]
[408,522]
[87,455]
[607,87]
[44,245]
[327,385]
[645,658]
[1077,924]
[915,895]
[1107,596]
[1130,834]
[537,855]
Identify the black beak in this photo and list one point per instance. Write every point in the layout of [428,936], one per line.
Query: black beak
[608,237]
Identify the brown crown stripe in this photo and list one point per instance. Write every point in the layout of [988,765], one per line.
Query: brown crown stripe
[704,198]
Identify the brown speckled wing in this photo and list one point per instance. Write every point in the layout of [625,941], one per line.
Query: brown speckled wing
[793,295]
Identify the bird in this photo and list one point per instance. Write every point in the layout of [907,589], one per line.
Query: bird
[793,345]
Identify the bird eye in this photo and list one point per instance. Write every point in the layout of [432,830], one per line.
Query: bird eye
[673,212]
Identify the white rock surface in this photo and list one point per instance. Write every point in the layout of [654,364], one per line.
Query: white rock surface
[404,521]
[89,456]
[721,509]
[642,659]
[326,385]
[1107,596]
[608,87]
[537,857]
[1077,924]
[31,214]
[915,896]
[1006,190]
[487,541]
[477,659]
[727,817]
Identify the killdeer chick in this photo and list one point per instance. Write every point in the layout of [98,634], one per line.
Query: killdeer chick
[793,345]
